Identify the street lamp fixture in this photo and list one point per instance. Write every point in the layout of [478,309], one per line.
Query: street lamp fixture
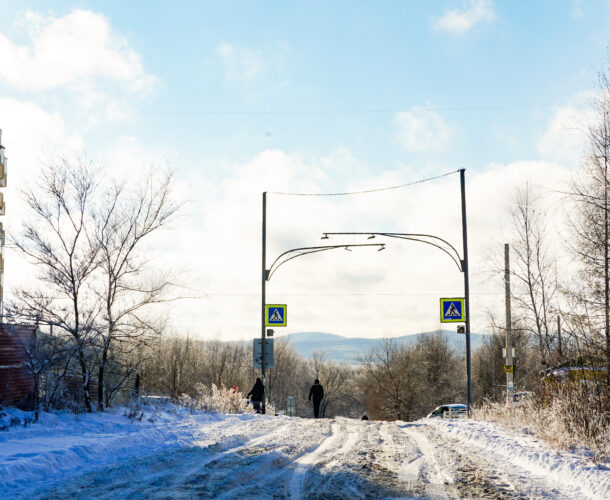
[428,239]
[299,252]
[277,263]
[449,249]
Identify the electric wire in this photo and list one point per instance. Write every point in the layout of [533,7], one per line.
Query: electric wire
[328,294]
[367,191]
[346,111]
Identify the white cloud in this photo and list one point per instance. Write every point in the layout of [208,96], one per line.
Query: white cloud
[31,136]
[349,293]
[215,248]
[460,21]
[64,51]
[576,9]
[241,63]
[29,132]
[248,64]
[421,130]
[565,137]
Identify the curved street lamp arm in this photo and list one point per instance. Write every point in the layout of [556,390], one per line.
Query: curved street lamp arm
[457,263]
[414,237]
[398,235]
[307,250]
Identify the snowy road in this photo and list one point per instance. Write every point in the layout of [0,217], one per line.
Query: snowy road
[292,458]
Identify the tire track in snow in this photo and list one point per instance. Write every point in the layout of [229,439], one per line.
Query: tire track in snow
[415,472]
[441,476]
[349,444]
[297,481]
[261,438]
[275,471]
[475,472]
[171,469]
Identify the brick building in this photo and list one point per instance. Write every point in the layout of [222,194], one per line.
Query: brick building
[16,381]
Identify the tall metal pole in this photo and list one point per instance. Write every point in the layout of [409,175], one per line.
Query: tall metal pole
[263,292]
[466,285]
[509,341]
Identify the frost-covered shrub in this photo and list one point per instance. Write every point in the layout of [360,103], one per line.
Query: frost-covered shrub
[215,400]
[569,418]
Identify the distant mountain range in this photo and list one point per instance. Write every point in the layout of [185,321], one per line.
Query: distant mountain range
[348,349]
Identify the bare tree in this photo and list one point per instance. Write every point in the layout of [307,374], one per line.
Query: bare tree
[389,371]
[48,358]
[288,377]
[127,219]
[57,238]
[534,269]
[591,226]
[437,372]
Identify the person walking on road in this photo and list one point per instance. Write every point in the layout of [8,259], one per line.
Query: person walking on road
[256,395]
[317,393]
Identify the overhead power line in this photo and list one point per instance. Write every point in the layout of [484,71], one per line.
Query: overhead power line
[205,295]
[367,191]
[346,111]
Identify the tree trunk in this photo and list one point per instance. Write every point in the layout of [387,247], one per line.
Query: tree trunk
[86,381]
[100,382]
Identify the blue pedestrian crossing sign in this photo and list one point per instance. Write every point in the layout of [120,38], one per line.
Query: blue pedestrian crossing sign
[275,314]
[453,311]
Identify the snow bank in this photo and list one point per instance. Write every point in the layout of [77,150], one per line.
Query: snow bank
[61,445]
[525,452]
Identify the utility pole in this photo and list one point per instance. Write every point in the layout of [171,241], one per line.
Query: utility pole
[509,365]
[559,345]
[466,285]
[263,298]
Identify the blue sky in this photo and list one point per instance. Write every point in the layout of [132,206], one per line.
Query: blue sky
[247,96]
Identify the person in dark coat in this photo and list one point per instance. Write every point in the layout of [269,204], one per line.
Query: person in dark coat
[256,395]
[316,393]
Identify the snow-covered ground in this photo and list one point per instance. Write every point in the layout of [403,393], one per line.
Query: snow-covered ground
[172,453]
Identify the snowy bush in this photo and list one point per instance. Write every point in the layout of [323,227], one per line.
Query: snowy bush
[215,400]
[568,418]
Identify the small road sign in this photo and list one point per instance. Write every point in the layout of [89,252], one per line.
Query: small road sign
[452,311]
[290,406]
[257,351]
[275,314]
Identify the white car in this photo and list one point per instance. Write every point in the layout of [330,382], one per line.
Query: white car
[455,410]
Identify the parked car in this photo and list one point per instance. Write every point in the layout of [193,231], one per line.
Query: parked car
[521,397]
[454,410]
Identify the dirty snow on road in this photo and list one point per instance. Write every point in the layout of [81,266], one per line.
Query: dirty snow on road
[182,455]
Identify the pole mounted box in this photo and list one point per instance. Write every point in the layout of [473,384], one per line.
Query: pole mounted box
[257,353]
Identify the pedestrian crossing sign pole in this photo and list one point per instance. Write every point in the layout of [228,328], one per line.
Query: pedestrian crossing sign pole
[275,314]
[453,310]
